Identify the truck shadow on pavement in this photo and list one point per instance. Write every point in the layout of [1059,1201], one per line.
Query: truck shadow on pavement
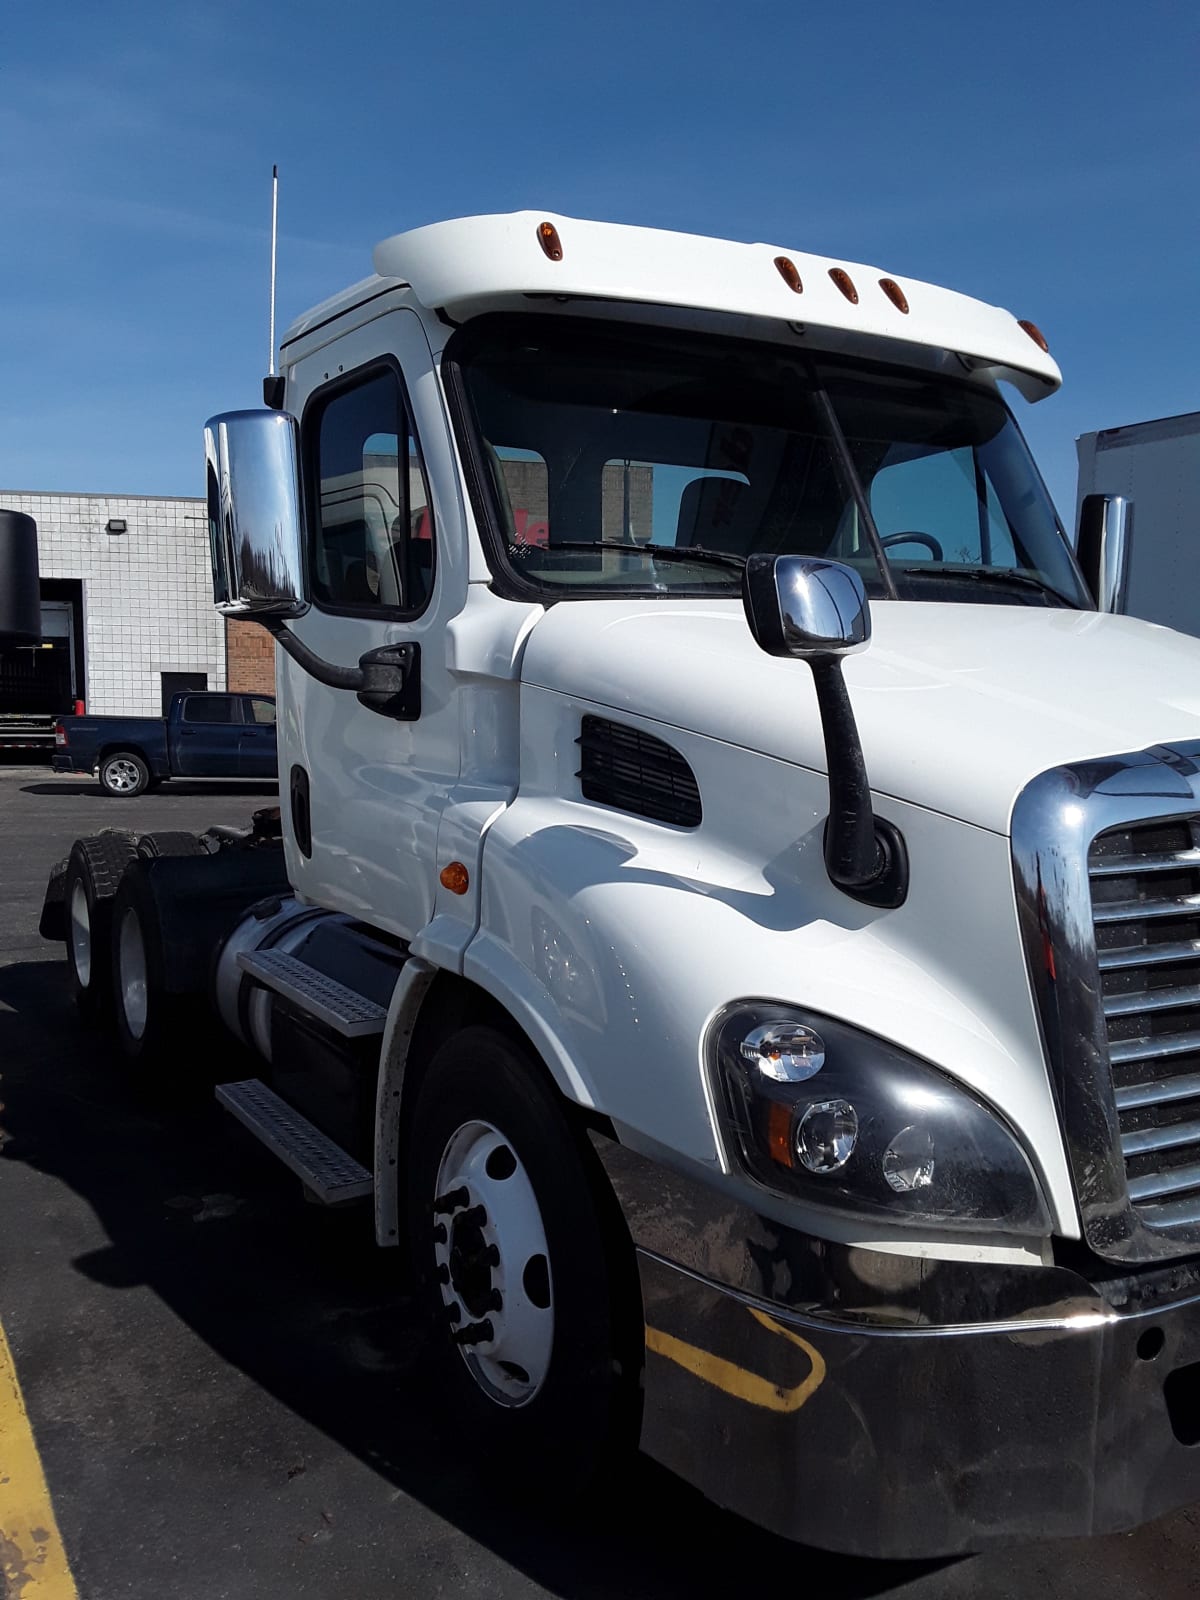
[89,789]
[300,1304]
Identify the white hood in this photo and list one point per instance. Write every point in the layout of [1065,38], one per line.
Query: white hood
[959,706]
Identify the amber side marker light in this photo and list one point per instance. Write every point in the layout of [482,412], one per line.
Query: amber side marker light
[845,283]
[895,294]
[1036,334]
[789,274]
[550,242]
[455,877]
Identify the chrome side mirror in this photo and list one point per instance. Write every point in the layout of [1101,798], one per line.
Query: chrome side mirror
[254,522]
[1104,546]
[20,594]
[803,607]
[817,611]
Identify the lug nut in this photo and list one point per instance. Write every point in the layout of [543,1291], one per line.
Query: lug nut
[439,1233]
[495,1301]
[454,1313]
[474,1333]
[443,1273]
[474,1218]
[452,1200]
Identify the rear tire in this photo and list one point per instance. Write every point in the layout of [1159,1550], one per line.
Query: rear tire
[516,1252]
[148,1020]
[124,774]
[153,845]
[94,870]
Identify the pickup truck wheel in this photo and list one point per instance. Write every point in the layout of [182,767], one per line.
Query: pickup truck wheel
[94,870]
[124,773]
[538,1345]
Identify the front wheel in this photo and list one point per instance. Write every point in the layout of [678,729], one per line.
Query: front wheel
[125,774]
[521,1268]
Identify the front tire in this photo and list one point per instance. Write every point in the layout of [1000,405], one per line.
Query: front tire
[124,774]
[94,870]
[521,1272]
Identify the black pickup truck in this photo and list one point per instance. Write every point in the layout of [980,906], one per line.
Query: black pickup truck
[202,736]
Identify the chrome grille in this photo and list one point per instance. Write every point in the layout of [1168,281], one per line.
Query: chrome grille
[1145,887]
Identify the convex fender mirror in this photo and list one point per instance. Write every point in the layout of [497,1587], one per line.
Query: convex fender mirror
[817,611]
[1104,548]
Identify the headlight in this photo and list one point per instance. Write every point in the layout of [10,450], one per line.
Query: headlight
[838,1117]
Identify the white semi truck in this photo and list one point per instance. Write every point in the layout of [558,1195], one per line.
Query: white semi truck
[795,1071]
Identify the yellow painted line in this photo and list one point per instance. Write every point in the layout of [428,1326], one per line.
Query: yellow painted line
[739,1381]
[33,1563]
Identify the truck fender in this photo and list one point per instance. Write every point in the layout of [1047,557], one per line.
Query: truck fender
[412,986]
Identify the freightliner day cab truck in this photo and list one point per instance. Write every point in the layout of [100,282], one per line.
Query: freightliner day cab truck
[738,907]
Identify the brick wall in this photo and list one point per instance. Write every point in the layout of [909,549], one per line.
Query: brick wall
[250,654]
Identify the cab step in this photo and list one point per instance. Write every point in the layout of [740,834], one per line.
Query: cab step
[344,1010]
[323,1166]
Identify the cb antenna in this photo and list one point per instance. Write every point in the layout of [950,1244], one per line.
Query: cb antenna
[272,384]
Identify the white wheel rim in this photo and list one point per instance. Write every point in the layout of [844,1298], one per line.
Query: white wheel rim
[493,1264]
[122,775]
[131,969]
[81,935]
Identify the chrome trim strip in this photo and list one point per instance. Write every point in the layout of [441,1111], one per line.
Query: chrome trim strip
[1124,866]
[1055,819]
[1175,905]
[1129,1005]
[1149,956]
[1158,1092]
[1172,1180]
[1145,1141]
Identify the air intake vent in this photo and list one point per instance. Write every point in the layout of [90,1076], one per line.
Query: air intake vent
[633,771]
[1146,908]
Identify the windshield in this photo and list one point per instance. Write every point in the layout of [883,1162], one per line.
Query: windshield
[621,460]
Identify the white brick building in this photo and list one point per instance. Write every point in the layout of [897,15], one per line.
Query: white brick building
[137,602]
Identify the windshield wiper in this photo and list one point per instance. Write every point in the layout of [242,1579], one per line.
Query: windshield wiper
[670,552]
[999,576]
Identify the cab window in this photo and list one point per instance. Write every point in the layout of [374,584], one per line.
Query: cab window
[372,536]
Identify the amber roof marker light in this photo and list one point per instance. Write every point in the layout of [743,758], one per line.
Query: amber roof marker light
[550,242]
[895,294]
[845,283]
[1036,334]
[789,273]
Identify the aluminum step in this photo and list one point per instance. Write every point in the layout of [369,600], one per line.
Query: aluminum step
[323,1166]
[344,1010]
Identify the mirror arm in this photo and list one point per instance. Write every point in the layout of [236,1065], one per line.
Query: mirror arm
[308,661]
[865,856]
[386,680]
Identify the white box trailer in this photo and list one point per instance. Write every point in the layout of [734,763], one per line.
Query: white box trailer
[1155,466]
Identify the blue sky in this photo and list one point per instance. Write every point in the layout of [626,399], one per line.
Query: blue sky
[1040,155]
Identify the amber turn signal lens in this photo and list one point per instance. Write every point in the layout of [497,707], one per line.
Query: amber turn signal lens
[455,877]
[845,283]
[895,294]
[789,274]
[1036,334]
[549,240]
[779,1133]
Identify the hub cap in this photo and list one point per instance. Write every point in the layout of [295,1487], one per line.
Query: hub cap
[121,775]
[131,965]
[493,1264]
[81,935]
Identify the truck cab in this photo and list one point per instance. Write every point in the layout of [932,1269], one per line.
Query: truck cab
[741,907]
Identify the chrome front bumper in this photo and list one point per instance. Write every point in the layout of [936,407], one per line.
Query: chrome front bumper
[887,1406]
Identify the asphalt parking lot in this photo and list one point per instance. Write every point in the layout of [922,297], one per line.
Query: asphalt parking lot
[226,1385]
